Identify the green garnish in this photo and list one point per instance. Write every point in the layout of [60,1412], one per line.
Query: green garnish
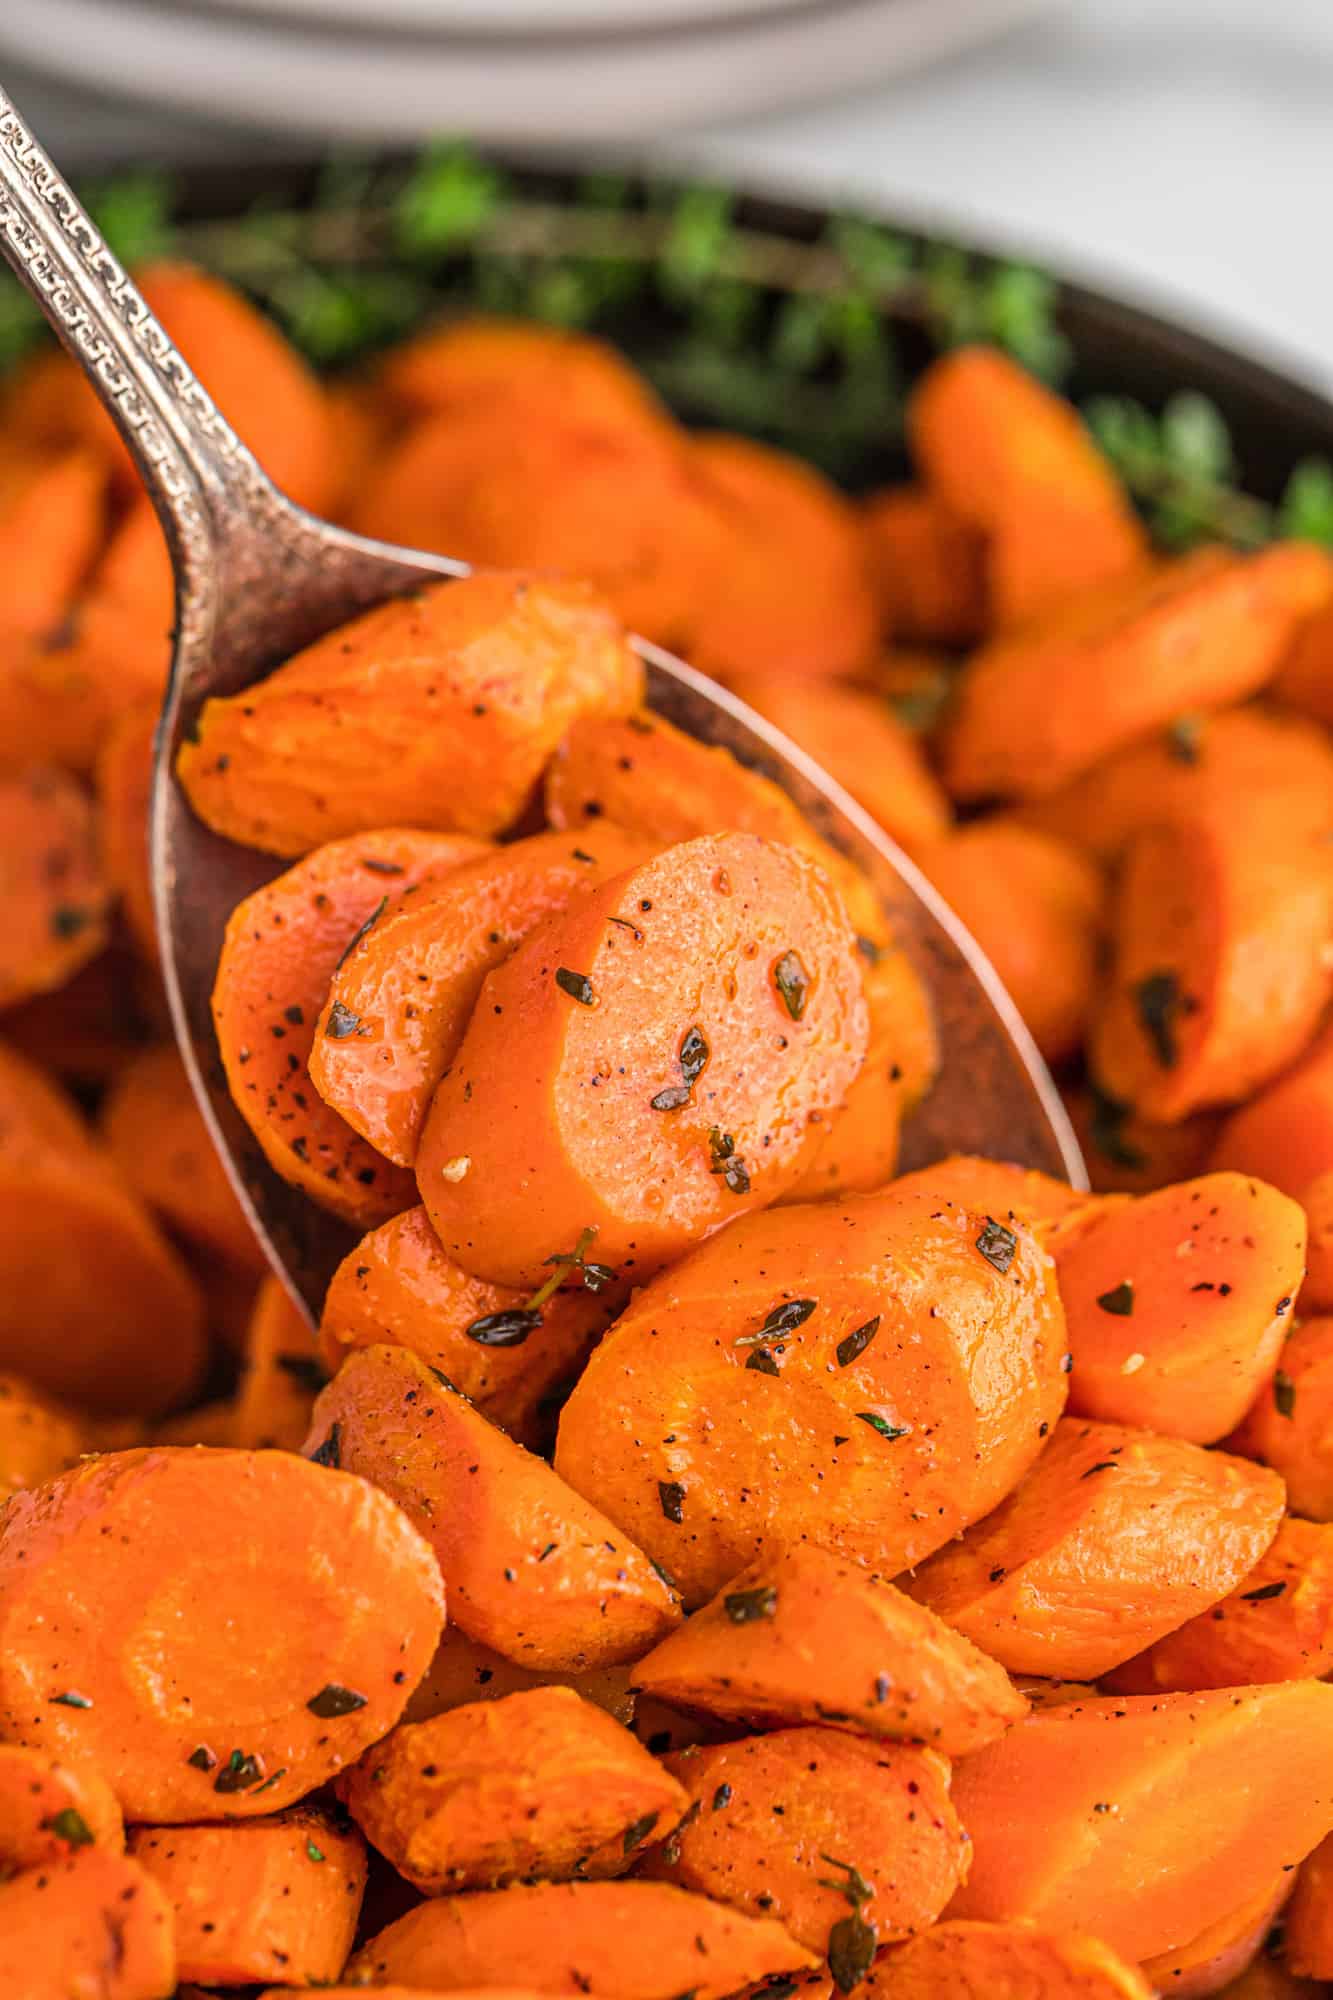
[1119,1300]
[882,1425]
[1183,737]
[671,1495]
[638,1831]
[726,1162]
[852,1944]
[997,1244]
[745,1607]
[315,1853]
[853,1345]
[341,1023]
[71,1700]
[504,1329]
[1160,1003]
[67,920]
[1263,1594]
[1284,1393]
[70,1826]
[793,983]
[330,1452]
[239,1773]
[576,984]
[361,931]
[333,1700]
[1106,1132]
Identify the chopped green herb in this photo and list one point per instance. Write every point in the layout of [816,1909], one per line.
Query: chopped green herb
[726,1162]
[71,1700]
[1284,1393]
[1160,1003]
[1102,1465]
[672,1098]
[1119,1300]
[361,931]
[315,1853]
[330,1452]
[671,1495]
[721,1797]
[638,1831]
[997,1244]
[793,983]
[202,1759]
[762,1362]
[503,1329]
[1182,738]
[869,950]
[1106,1132]
[71,1826]
[882,1425]
[854,1888]
[67,920]
[745,1607]
[854,1344]
[240,1772]
[693,1054]
[595,1277]
[1263,1594]
[333,1700]
[851,1951]
[341,1023]
[785,1318]
[576,984]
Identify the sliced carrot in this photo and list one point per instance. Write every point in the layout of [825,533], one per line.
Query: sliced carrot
[281,1376]
[849,1844]
[38,1438]
[137,1569]
[858,740]
[1206,1963]
[282,947]
[51,527]
[50,1809]
[464,1671]
[400,1000]
[1140,1817]
[530,1568]
[1289,1425]
[971,1961]
[1177,1304]
[927,567]
[398,1286]
[1308,1946]
[814,1374]
[1317,1201]
[538,1784]
[1198,633]
[55,895]
[997,1187]
[831,1643]
[398,1993]
[123,780]
[93,1924]
[439,708]
[1268,1979]
[1304,680]
[485,362]
[366,426]
[699,1015]
[49,404]
[1277,1625]
[620,1940]
[62,692]
[1072,1574]
[135,569]
[859,1149]
[1127,1154]
[1284,1134]
[272,1898]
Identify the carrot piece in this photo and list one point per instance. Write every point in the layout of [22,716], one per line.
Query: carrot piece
[619,1940]
[95,1306]
[1284,1134]
[837,1645]
[997,1187]
[1304,681]
[1221,1952]
[397,1286]
[62,692]
[282,946]
[1034,905]
[848,1843]
[971,1961]
[1177,1303]
[135,569]
[49,405]
[1308,1946]
[1289,1425]
[93,1923]
[50,1809]
[366,427]
[273,1898]
[859,741]
[1197,763]
[1221,968]
[55,897]
[715,995]
[1317,1201]
[1198,633]
[440,708]
[1266,1979]
[464,1671]
[1148,1870]
[393,1993]
[281,1377]
[1071,1575]
[485,363]
[1277,1625]
[927,567]
[859,1150]
[155,1133]
[786,584]
[38,1438]
[530,1568]
[815,1374]
[400,1000]
[51,527]
[1126,1154]
[537,1784]
[122,781]
[138,1568]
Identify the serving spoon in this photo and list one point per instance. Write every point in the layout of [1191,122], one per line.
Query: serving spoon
[257,578]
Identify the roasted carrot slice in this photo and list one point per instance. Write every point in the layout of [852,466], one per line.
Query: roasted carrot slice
[777,1820]
[92,1923]
[60,693]
[1089,1813]
[970,1961]
[38,1438]
[1309,1921]
[529,1566]
[998,1187]
[1317,1201]
[400,1000]
[927,567]
[1304,681]
[812,1374]
[281,1375]
[439,709]
[51,527]
[54,892]
[831,1643]
[1177,1303]
[859,1150]
[1289,1425]
[398,1286]
[1284,1134]
[1206,1963]
[538,1784]
[858,740]
[50,1809]
[123,779]
[1268,1979]
[485,363]
[1071,1575]
[1200,632]
[282,947]
[1035,906]
[1277,1625]
[699,1015]
[464,1671]
[1127,1154]
[272,1898]
[182,1546]
[624,1940]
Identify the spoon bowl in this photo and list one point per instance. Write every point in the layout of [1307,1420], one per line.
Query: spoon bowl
[258,578]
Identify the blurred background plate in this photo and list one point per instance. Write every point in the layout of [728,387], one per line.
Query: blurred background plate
[510,17]
[349,82]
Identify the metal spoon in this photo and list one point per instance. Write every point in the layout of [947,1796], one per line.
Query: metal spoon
[258,578]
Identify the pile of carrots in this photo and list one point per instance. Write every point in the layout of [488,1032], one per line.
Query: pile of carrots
[690,1558]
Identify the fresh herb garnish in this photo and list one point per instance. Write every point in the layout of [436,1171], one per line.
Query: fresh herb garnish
[762,1362]
[854,1344]
[1106,1131]
[726,1162]
[576,984]
[71,1700]
[882,1425]
[671,1495]
[1160,1004]
[333,1700]
[1284,1393]
[793,983]
[1262,1595]
[853,1887]
[1119,1300]
[745,1607]
[330,1452]
[70,1826]
[852,1944]
[341,1023]
[240,1772]
[67,920]
[638,1831]
[503,1329]
[361,931]
[692,1057]
[673,1098]
[594,1277]
[202,1759]
[997,1244]
[1182,739]
[1102,1465]
[785,1318]
[315,1853]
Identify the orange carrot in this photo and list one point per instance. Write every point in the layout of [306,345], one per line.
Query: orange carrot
[464,1671]
[1177,1303]
[60,693]
[927,567]
[530,1568]
[812,1394]
[38,1438]
[831,1643]
[1289,1425]
[859,1149]
[997,1187]
[55,896]
[1317,1201]
[1126,1154]
[123,779]
[92,1924]
[51,526]
[281,1376]
[1206,1963]
[1309,1924]
[1284,1134]
[1267,1979]
[485,363]
[139,1567]
[1071,1574]
[1304,681]
[971,1961]
[49,1810]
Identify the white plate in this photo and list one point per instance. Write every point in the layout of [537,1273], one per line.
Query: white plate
[380,88]
[510,17]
